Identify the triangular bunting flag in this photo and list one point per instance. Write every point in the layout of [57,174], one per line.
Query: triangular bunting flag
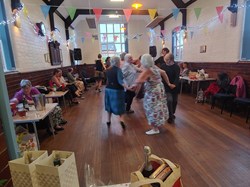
[219,12]
[175,12]
[152,13]
[88,34]
[72,12]
[197,12]
[45,10]
[127,13]
[98,12]
[191,34]
[25,11]
[82,39]
[93,39]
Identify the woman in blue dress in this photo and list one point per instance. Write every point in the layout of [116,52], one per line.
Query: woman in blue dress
[114,92]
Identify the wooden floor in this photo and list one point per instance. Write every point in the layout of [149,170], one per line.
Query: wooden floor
[212,149]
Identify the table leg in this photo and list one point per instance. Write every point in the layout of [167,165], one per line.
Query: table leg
[37,139]
[64,102]
[198,86]
[181,86]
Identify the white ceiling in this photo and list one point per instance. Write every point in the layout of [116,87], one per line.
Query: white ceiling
[164,8]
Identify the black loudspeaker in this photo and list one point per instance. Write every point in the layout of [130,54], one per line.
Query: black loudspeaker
[152,51]
[233,6]
[77,54]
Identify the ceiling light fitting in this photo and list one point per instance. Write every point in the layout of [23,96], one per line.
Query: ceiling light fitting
[116,0]
[113,16]
[136,5]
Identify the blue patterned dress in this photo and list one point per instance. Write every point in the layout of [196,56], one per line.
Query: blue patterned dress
[155,103]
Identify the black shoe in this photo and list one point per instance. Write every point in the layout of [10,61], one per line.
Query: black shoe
[50,132]
[108,123]
[130,111]
[123,125]
[170,120]
[63,122]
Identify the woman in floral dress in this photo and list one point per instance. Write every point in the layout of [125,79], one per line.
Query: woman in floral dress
[154,99]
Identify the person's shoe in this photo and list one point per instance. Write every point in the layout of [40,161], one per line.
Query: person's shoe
[123,125]
[50,132]
[63,122]
[130,111]
[170,120]
[108,123]
[152,131]
[59,128]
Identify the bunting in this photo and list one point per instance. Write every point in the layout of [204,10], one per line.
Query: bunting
[127,13]
[152,13]
[25,11]
[219,12]
[71,11]
[175,12]
[197,12]
[45,10]
[191,34]
[98,12]
[82,39]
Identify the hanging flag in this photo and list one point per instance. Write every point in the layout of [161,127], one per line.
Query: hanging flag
[25,11]
[45,10]
[163,32]
[98,12]
[88,35]
[127,13]
[175,12]
[82,39]
[71,11]
[152,13]
[219,12]
[115,38]
[206,30]
[191,34]
[197,12]
[93,39]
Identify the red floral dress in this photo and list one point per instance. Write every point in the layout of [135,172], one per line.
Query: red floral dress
[155,103]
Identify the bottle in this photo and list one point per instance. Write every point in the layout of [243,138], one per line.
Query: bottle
[57,160]
[25,103]
[54,87]
[148,168]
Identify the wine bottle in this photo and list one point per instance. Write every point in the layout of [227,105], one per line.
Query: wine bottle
[25,103]
[57,160]
[148,168]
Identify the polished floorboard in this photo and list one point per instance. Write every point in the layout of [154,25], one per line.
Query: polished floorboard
[212,149]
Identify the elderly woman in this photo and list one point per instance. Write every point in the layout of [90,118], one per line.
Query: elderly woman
[154,99]
[28,91]
[114,92]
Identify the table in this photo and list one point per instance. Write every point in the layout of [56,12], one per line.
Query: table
[33,116]
[194,80]
[56,95]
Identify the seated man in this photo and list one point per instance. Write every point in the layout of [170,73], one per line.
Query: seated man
[85,77]
[28,91]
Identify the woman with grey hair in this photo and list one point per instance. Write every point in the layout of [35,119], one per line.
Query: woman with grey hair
[114,92]
[154,101]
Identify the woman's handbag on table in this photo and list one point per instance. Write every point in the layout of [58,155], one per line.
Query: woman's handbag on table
[156,172]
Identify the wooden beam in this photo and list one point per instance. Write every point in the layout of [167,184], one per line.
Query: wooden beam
[104,12]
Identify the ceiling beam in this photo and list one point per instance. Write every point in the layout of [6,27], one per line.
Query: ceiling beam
[104,12]
[182,6]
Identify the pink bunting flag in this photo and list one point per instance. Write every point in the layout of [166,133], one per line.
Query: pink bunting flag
[163,32]
[88,35]
[127,13]
[219,12]
[115,38]
[98,12]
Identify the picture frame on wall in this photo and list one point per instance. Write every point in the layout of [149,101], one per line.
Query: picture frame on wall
[203,49]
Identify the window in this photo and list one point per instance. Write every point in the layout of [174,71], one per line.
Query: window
[2,58]
[112,39]
[177,43]
[245,53]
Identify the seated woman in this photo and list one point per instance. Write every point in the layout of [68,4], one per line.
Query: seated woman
[28,91]
[72,80]
[59,81]
[185,70]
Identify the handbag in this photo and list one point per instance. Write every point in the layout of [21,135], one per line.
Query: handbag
[165,174]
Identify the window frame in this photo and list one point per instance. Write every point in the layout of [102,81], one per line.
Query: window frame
[177,42]
[122,42]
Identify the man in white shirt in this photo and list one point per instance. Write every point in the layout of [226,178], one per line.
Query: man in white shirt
[130,73]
